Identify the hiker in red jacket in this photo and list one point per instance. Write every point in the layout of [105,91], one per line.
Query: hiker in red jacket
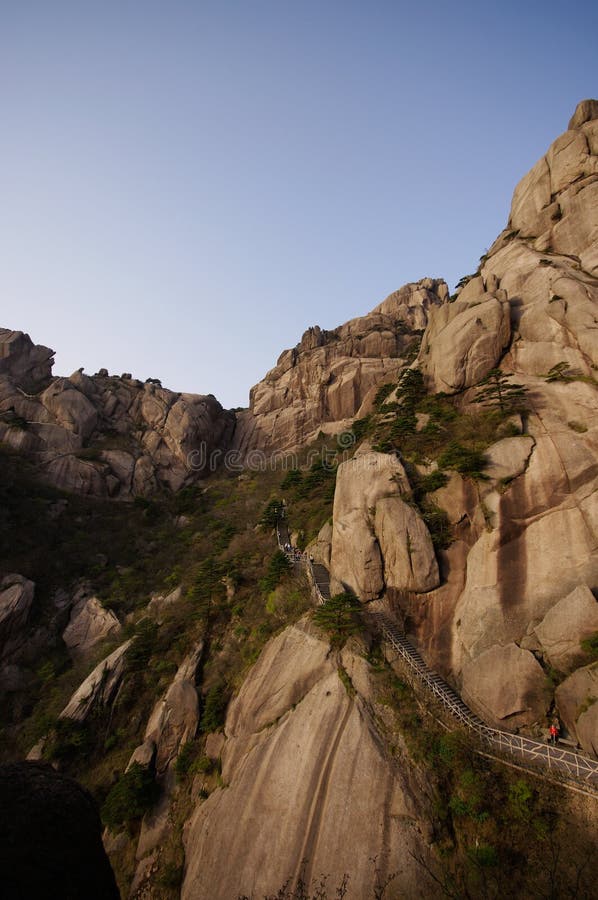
[554,733]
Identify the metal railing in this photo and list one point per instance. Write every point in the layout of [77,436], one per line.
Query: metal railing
[566,764]
[563,762]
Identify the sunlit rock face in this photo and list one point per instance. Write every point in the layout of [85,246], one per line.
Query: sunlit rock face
[524,564]
[304,769]
[332,376]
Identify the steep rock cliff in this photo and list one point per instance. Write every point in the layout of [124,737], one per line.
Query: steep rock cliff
[322,382]
[304,767]
[527,537]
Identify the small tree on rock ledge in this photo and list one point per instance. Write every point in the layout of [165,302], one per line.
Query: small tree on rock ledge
[339,617]
[498,392]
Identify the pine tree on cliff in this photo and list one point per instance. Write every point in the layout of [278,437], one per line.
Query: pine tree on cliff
[340,617]
[498,392]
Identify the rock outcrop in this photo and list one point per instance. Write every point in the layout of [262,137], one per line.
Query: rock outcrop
[577,703]
[29,365]
[174,718]
[321,384]
[16,599]
[303,768]
[378,539]
[464,340]
[508,685]
[105,436]
[99,687]
[90,622]
[173,722]
[566,624]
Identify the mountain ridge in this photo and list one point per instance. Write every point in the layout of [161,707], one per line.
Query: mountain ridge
[462,498]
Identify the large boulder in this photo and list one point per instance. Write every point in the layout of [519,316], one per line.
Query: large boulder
[70,473]
[508,458]
[175,717]
[464,340]
[406,547]
[50,837]
[577,703]
[506,686]
[90,622]
[565,625]
[540,544]
[70,408]
[171,724]
[29,365]
[321,548]
[377,539]
[569,164]
[99,688]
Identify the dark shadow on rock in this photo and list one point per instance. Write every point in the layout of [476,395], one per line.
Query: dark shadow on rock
[50,838]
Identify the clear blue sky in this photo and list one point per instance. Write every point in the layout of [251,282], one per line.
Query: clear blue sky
[186,186]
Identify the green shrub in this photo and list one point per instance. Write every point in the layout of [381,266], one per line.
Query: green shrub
[463,281]
[185,759]
[412,349]
[427,484]
[340,617]
[292,479]
[288,601]
[130,798]
[361,427]
[579,427]
[144,642]
[411,387]
[558,372]
[319,478]
[68,739]
[465,460]
[271,514]
[497,392]
[278,566]
[484,856]
[382,393]
[204,765]
[437,522]
[520,800]
[590,645]
[214,710]
[171,875]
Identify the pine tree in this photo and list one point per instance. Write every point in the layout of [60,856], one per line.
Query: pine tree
[340,617]
[498,392]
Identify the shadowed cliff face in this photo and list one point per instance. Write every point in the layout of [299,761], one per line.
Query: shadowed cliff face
[50,838]
[331,376]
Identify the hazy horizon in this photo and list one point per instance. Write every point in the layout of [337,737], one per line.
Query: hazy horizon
[187,188]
